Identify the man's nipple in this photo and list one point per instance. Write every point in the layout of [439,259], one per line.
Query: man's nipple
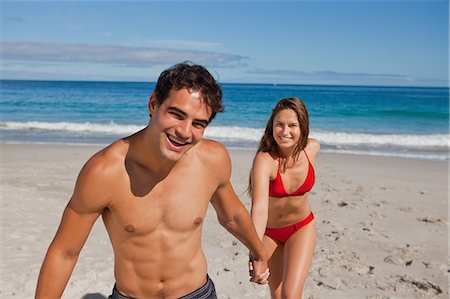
[129,228]
[198,220]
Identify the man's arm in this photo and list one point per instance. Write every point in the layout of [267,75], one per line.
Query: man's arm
[83,209]
[233,215]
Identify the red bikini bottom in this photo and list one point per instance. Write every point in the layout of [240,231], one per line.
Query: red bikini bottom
[282,234]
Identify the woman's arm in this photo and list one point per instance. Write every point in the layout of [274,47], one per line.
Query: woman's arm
[313,149]
[260,179]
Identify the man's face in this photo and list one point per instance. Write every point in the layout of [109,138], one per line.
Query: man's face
[178,123]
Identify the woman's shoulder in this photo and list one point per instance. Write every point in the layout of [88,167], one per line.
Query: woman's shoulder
[265,164]
[264,157]
[313,145]
[265,160]
[312,148]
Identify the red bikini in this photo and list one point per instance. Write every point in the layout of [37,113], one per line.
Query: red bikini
[276,190]
[282,234]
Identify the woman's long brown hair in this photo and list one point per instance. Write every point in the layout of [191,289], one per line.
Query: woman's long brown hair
[268,143]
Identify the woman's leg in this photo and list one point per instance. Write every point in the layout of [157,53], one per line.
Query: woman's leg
[274,253]
[298,254]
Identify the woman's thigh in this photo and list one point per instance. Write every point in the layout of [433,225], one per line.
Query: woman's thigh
[275,257]
[298,254]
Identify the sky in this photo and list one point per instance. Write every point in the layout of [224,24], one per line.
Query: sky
[382,42]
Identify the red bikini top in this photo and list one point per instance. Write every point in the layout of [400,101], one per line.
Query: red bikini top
[276,188]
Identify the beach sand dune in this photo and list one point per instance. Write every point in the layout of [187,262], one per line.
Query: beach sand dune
[382,227]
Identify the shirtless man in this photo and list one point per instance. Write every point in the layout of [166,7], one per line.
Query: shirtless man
[152,190]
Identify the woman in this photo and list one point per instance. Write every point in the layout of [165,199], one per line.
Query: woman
[281,177]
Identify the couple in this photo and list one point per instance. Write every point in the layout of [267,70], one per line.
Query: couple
[152,190]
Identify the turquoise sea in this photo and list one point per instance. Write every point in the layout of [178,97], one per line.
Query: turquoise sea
[392,121]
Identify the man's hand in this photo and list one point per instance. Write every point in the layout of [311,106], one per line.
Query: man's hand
[258,271]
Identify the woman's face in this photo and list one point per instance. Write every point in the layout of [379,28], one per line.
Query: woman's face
[286,129]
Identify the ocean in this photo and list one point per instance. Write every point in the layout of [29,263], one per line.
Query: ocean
[389,121]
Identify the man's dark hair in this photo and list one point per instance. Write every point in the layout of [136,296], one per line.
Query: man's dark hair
[194,77]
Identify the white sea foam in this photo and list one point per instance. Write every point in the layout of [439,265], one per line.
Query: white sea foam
[253,135]
[86,127]
[402,140]
[234,133]
[341,139]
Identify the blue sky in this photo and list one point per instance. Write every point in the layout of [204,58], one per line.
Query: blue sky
[402,43]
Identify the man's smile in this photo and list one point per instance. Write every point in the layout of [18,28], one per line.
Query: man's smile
[176,141]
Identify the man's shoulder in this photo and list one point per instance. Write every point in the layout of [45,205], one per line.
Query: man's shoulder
[209,145]
[211,152]
[99,176]
[108,159]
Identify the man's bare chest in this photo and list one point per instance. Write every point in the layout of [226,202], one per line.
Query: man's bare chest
[175,204]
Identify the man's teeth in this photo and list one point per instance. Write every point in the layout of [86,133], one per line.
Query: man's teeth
[176,143]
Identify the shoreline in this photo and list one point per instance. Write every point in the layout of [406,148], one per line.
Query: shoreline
[382,226]
[250,149]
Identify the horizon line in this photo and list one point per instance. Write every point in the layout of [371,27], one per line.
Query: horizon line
[238,83]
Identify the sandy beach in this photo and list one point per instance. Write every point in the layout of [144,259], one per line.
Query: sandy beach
[382,227]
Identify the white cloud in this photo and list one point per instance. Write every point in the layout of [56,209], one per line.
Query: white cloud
[14,19]
[110,54]
[339,78]
[178,43]
[327,74]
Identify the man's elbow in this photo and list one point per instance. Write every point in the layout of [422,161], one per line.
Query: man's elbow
[228,224]
[63,253]
[233,222]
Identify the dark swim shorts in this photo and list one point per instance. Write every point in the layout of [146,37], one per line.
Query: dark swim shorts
[207,291]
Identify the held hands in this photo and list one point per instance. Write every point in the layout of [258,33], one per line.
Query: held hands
[258,270]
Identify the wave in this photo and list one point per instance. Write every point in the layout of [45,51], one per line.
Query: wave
[341,139]
[247,135]
[87,127]
[441,141]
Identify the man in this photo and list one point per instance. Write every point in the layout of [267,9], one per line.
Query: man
[152,190]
